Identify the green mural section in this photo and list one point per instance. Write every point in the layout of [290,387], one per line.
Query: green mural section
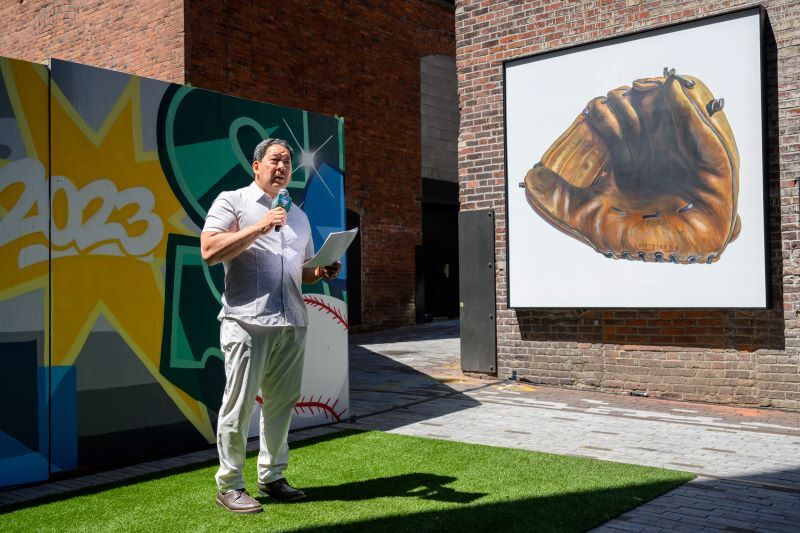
[191,356]
[204,154]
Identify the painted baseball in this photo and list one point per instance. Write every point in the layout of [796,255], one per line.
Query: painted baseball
[324,394]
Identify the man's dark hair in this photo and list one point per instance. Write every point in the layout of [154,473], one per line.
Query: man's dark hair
[261,149]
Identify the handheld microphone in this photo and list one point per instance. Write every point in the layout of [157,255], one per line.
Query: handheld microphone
[282,199]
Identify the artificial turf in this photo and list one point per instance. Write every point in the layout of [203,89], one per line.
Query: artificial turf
[373,481]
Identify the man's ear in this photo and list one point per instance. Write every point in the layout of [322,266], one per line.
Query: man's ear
[255,166]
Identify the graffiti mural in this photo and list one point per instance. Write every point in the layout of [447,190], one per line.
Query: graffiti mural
[25,377]
[109,326]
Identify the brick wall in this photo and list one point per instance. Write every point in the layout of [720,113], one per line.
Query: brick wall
[359,60]
[726,356]
[143,38]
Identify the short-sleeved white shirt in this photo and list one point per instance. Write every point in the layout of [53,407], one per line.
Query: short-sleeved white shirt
[262,284]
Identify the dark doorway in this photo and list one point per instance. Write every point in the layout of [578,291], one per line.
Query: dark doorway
[437,261]
[353,220]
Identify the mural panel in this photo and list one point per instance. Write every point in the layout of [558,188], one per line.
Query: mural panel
[134,355]
[24,284]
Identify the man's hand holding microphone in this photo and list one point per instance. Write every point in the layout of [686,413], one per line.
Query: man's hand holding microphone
[276,217]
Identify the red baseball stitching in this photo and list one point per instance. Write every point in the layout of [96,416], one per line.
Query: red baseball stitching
[338,315]
[324,407]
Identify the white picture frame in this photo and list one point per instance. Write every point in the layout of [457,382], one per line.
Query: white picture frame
[543,94]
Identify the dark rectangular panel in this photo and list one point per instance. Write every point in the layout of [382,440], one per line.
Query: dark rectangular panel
[439,192]
[477,289]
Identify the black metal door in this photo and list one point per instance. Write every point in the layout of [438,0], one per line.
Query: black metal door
[477,290]
[439,260]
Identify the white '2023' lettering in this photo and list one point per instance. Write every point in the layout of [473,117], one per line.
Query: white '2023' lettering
[95,236]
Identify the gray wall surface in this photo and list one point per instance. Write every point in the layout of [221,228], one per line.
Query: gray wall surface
[439,105]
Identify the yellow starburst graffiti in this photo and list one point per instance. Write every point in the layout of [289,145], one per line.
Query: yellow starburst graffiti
[112,212]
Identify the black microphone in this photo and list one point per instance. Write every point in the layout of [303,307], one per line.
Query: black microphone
[282,199]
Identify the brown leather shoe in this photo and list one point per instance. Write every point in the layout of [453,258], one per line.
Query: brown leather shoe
[238,501]
[281,490]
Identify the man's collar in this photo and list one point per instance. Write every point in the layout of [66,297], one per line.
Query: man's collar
[255,193]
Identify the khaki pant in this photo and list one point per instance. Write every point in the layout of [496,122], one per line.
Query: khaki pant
[265,358]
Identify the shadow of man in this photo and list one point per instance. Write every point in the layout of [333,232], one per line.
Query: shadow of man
[418,485]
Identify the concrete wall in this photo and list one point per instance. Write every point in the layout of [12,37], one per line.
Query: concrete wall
[439,105]
[727,356]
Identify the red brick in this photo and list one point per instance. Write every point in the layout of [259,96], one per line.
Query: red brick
[631,348]
[145,38]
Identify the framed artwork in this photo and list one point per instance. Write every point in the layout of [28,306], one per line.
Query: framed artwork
[635,170]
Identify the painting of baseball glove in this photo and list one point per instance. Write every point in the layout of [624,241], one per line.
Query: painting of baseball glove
[647,173]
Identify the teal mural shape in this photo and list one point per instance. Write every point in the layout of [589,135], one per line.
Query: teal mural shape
[191,357]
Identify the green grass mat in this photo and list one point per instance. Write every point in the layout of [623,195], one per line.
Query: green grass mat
[373,481]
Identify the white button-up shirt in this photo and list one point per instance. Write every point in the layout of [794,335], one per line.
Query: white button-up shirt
[262,284]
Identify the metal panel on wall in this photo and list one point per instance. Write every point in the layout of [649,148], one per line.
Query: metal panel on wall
[477,288]
[135,362]
[24,271]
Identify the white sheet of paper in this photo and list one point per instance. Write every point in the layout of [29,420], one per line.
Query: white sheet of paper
[333,248]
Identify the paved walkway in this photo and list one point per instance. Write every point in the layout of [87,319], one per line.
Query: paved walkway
[747,460]
[408,381]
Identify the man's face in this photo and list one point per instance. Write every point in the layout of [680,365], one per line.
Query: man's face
[274,171]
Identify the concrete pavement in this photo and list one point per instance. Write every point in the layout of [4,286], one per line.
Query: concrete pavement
[408,381]
[747,460]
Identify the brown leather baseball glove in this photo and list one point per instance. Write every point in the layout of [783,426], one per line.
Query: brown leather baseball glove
[649,172]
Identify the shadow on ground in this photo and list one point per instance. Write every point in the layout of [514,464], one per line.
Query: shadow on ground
[578,511]
[381,383]
[419,485]
[740,503]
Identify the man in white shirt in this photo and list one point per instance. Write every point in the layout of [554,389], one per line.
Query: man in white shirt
[263,322]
